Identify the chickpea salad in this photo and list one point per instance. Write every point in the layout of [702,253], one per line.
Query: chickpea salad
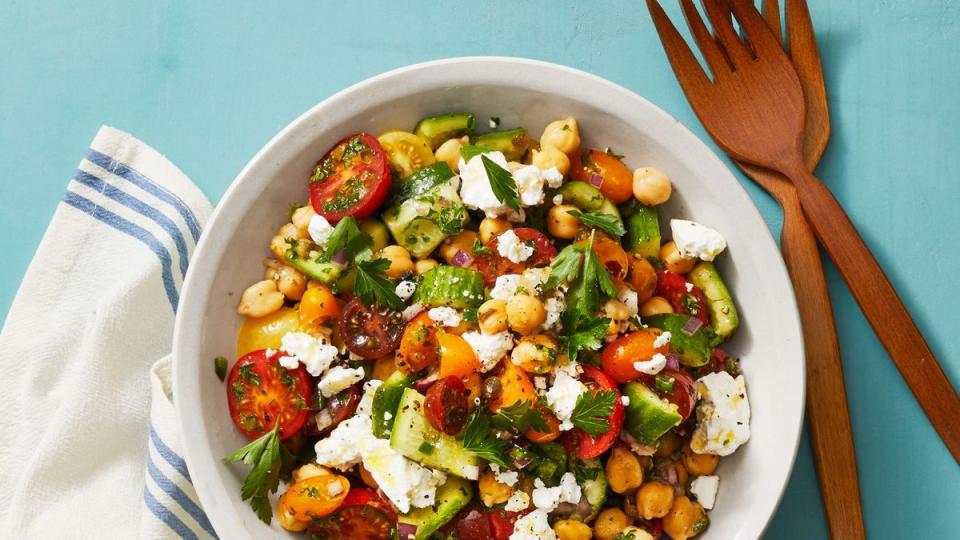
[474,336]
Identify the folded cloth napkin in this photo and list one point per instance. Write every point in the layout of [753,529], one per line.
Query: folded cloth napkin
[85,450]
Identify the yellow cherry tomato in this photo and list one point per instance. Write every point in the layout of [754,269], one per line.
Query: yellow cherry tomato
[406,152]
[265,332]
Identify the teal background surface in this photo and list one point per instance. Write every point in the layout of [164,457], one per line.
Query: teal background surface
[208,83]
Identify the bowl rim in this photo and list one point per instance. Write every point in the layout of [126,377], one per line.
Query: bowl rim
[185,388]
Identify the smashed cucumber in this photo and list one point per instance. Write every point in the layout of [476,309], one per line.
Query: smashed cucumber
[451,497]
[643,232]
[450,286]
[648,416]
[513,143]
[436,129]
[324,272]
[723,314]
[420,223]
[414,437]
[422,181]
[691,349]
[386,400]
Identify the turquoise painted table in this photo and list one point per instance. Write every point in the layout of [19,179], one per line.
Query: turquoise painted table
[207,83]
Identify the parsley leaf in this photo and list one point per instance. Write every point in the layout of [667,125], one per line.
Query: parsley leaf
[346,237]
[479,439]
[480,249]
[520,417]
[373,288]
[605,222]
[589,334]
[502,182]
[469,151]
[592,410]
[267,456]
[565,266]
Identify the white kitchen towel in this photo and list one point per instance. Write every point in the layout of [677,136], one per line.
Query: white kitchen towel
[85,451]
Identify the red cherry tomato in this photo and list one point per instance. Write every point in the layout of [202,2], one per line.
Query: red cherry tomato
[673,287]
[683,394]
[370,332]
[261,392]
[363,497]
[501,523]
[352,179]
[339,408]
[492,265]
[589,446]
[471,524]
[362,516]
[617,181]
[446,405]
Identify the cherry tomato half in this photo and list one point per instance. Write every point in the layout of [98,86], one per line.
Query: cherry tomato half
[352,179]
[418,345]
[589,446]
[470,524]
[446,405]
[492,264]
[674,288]
[356,522]
[617,181]
[316,496]
[366,497]
[261,392]
[617,357]
[502,522]
[683,393]
[338,408]
[370,332]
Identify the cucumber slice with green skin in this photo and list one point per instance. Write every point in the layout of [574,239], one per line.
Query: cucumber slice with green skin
[322,272]
[423,181]
[414,437]
[648,416]
[643,232]
[691,349]
[723,314]
[436,129]
[588,199]
[450,286]
[595,488]
[451,497]
[377,231]
[387,400]
[420,223]
[513,143]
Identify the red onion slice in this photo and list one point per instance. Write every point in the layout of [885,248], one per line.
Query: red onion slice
[692,326]
[462,259]
[406,531]
[425,383]
[673,363]
[596,180]
[521,463]
[339,257]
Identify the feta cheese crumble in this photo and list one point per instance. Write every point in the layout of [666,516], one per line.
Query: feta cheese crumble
[652,366]
[411,311]
[553,178]
[704,488]
[517,502]
[530,185]
[510,246]
[475,189]
[490,348]
[509,478]
[447,316]
[314,353]
[548,498]
[319,230]
[697,241]
[557,199]
[723,415]
[630,298]
[534,278]
[533,526]
[625,400]
[562,397]
[505,286]
[339,378]
[405,289]
[662,340]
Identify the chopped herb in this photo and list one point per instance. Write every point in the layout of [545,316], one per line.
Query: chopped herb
[520,417]
[585,471]
[480,249]
[480,440]
[373,288]
[268,458]
[591,287]
[588,334]
[605,222]
[246,372]
[591,412]
[347,237]
[663,384]
[502,182]
[220,367]
[450,220]
[565,266]
[470,315]
[426,448]
[294,206]
[469,151]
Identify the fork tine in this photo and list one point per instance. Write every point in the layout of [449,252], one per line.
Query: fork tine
[715,57]
[756,29]
[771,12]
[685,65]
[719,17]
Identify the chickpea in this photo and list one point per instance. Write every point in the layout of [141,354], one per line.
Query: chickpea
[616,310]
[289,280]
[449,151]
[260,299]
[623,470]
[561,224]
[685,520]
[699,464]
[309,471]
[571,529]
[285,515]
[279,244]
[492,316]
[424,265]
[668,445]
[535,354]
[301,219]
[636,533]
[549,156]
[675,262]
[564,135]
[491,227]
[654,499]
[400,262]
[462,241]
[650,186]
[655,306]
[525,313]
[491,491]
[610,523]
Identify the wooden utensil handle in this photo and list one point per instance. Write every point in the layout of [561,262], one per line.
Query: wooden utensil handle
[882,307]
[830,431]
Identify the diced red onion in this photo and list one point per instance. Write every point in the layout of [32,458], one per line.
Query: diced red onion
[462,259]
[673,363]
[339,257]
[521,463]
[596,180]
[425,383]
[671,475]
[323,419]
[406,531]
[692,326]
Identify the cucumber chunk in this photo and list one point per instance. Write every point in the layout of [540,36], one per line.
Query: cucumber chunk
[422,222]
[643,232]
[386,400]
[423,181]
[593,481]
[723,314]
[588,199]
[436,129]
[451,497]
[691,349]
[514,143]
[450,286]
[648,416]
[412,436]
[323,272]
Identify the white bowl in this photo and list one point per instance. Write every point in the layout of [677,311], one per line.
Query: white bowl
[522,93]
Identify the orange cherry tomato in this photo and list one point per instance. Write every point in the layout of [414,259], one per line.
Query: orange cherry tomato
[418,345]
[315,497]
[515,385]
[643,278]
[317,306]
[540,437]
[472,382]
[611,255]
[456,356]
[616,181]
[618,357]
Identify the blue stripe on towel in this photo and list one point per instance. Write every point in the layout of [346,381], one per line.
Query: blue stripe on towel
[140,207]
[178,495]
[169,455]
[165,515]
[132,229]
[134,176]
